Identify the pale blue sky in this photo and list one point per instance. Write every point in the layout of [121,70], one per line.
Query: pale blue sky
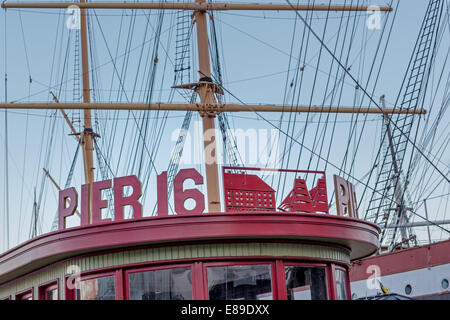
[255,49]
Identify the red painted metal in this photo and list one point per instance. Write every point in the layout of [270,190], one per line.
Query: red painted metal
[247,192]
[85,204]
[200,287]
[402,261]
[70,193]
[162,194]
[302,200]
[224,168]
[168,263]
[180,195]
[281,279]
[299,199]
[121,290]
[97,202]
[331,282]
[132,200]
[319,196]
[360,236]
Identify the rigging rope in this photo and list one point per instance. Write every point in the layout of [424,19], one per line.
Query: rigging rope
[368,95]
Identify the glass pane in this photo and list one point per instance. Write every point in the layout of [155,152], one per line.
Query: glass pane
[248,282]
[168,284]
[51,294]
[306,283]
[103,288]
[341,288]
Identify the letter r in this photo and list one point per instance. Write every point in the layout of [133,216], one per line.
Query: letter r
[133,200]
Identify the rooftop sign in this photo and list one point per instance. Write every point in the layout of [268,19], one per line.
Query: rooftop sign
[242,192]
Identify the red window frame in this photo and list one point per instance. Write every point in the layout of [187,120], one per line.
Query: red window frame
[49,286]
[24,295]
[160,267]
[347,282]
[117,274]
[271,263]
[288,263]
[200,277]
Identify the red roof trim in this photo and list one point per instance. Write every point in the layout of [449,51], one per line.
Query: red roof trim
[360,236]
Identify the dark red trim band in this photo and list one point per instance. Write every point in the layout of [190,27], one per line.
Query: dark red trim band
[359,236]
[405,260]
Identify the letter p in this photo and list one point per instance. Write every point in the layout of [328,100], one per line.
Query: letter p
[63,212]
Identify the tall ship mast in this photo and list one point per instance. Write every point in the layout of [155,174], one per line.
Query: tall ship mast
[237,189]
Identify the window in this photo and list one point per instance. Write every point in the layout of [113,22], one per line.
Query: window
[49,291]
[408,289]
[246,282]
[341,284]
[164,284]
[101,288]
[306,283]
[444,284]
[26,295]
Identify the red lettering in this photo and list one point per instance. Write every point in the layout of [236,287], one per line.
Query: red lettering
[161,183]
[97,202]
[181,196]
[85,200]
[64,212]
[133,200]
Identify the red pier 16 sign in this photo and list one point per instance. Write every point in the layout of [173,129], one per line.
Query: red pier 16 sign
[68,198]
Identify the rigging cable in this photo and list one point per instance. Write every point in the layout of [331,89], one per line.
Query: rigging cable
[367,94]
[6,141]
[308,149]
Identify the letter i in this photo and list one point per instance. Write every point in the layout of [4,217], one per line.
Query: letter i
[161,185]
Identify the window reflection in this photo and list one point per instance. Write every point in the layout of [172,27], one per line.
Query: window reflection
[248,282]
[51,293]
[168,284]
[341,286]
[103,288]
[306,283]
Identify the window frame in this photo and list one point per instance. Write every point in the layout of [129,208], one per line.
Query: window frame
[288,263]
[126,282]
[70,293]
[271,263]
[347,282]
[25,293]
[48,286]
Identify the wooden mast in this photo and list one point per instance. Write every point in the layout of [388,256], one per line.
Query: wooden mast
[206,89]
[87,136]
